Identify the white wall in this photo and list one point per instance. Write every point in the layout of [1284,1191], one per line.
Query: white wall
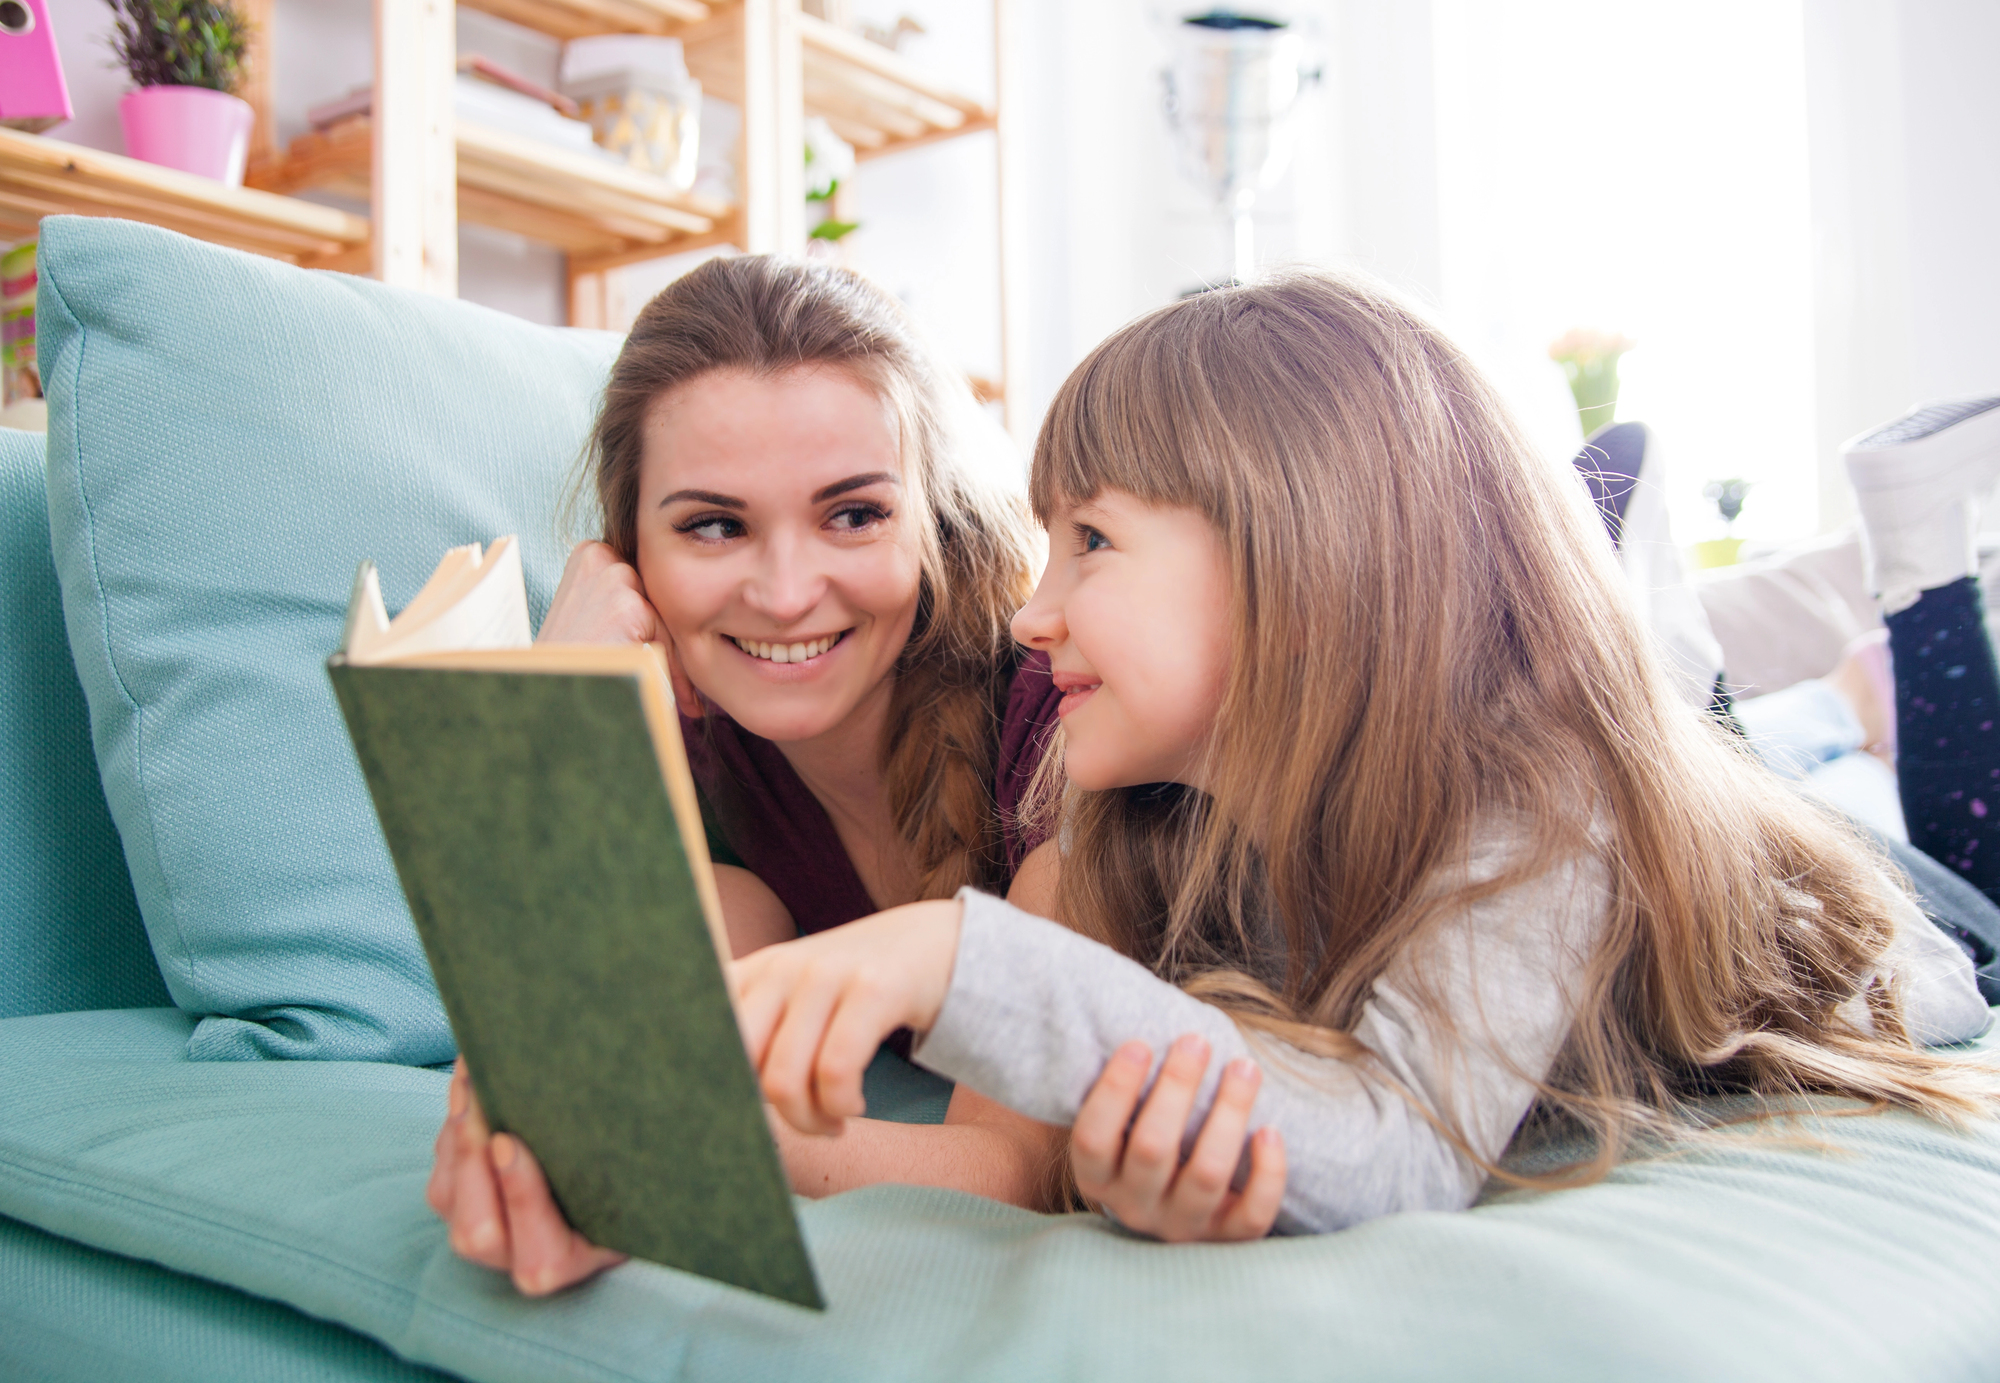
[1905,119]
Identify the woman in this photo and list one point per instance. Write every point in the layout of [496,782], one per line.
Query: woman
[797,503]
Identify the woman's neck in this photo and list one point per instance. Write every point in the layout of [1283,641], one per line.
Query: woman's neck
[843,770]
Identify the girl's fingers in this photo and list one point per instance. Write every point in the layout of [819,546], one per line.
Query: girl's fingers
[1202,1184]
[1097,1138]
[548,1254]
[853,1035]
[787,1069]
[1255,1208]
[1153,1148]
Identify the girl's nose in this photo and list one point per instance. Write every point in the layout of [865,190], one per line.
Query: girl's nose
[1039,623]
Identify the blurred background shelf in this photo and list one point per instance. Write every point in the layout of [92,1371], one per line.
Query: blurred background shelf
[873,98]
[47,177]
[597,212]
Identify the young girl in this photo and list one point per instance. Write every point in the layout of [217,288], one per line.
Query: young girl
[1373,775]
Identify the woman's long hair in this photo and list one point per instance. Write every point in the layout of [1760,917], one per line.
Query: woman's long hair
[766,315]
[1430,637]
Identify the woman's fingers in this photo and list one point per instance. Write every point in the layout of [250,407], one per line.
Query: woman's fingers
[1201,1187]
[1153,1148]
[444,1153]
[1255,1208]
[1097,1138]
[548,1255]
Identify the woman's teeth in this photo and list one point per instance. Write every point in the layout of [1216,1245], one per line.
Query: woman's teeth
[786,652]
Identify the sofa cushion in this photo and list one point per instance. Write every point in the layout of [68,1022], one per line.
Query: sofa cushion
[69,1314]
[1865,1254]
[70,936]
[228,438]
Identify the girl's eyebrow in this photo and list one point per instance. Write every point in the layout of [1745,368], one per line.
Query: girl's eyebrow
[854,482]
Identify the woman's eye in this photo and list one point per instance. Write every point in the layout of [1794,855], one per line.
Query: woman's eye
[711,528]
[855,517]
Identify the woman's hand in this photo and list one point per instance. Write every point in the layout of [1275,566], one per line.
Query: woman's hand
[600,600]
[814,1010]
[1133,1168]
[489,1189]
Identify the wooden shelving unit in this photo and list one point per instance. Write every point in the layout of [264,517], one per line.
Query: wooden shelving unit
[422,170]
[46,177]
[595,211]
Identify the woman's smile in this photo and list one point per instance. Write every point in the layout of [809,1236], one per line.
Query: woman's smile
[789,651]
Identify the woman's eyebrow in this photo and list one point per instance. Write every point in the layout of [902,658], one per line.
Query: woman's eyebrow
[705,497]
[854,482]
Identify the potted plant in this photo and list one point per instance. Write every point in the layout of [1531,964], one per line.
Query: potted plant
[187,58]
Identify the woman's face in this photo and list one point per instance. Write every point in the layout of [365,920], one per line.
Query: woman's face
[775,540]
[1133,611]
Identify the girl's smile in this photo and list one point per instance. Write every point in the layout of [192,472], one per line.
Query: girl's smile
[1076,689]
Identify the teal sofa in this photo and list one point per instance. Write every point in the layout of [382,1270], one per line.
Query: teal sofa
[208,1172]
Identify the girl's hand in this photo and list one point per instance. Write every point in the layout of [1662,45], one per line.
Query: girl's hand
[1138,1174]
[814,1010]
[489,1189]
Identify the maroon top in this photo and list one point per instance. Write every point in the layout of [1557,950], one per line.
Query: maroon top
[760,815]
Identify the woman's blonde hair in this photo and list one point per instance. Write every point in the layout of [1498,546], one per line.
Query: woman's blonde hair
[766,315]
[1430,637]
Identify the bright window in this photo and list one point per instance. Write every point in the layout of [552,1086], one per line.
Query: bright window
[1641,168]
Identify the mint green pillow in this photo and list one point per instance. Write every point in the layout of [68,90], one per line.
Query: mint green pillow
[228,438]
[69,928]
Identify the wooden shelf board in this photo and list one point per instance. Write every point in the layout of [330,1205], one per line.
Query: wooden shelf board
[568,19]
[584,205]
[45,177]
[875,99]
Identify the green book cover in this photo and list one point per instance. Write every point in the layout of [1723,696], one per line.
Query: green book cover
[530,811]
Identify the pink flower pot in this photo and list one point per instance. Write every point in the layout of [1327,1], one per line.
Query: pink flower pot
[190,128]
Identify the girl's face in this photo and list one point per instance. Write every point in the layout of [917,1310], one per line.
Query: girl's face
[774,540]
[1133,611]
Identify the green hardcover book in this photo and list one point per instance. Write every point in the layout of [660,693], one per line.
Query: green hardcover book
[543,822]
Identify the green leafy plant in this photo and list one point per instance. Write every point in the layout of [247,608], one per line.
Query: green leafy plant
[180,42]
[1590,363]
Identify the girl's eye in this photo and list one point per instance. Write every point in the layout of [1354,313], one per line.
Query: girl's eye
[711,528]
[1093,541]
[852,518]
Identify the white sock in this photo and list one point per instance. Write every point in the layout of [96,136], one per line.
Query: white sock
[1918,482]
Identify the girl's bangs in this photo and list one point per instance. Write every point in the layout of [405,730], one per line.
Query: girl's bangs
[1120,420]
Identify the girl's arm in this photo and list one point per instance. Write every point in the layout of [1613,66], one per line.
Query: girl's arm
[1034,1012]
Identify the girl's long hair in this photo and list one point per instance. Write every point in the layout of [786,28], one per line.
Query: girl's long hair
[1430,637]
[766,315]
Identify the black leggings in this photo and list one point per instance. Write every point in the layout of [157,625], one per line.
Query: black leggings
[1948,731]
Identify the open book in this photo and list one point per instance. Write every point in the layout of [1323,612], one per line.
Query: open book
[544,825]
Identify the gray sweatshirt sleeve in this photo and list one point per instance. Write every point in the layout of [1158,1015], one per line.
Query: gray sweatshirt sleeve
[1034,1011]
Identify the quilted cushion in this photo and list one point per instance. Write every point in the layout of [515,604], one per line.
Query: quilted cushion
[228,438]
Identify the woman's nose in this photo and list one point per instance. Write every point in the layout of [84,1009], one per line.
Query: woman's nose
[787,586]
[1039,623]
